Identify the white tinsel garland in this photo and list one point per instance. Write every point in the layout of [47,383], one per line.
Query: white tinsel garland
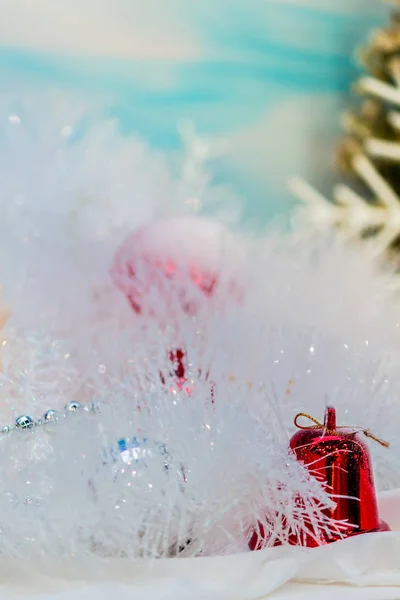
[309,327]
[262,368]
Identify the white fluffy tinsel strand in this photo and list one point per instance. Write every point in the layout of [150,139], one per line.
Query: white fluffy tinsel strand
[310,326]
[264,362]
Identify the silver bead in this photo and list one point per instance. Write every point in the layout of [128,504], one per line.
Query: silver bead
[24,422]
[6,429]
[73,406]
[50,416]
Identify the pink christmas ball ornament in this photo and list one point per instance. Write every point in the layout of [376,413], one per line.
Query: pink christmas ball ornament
[174,265]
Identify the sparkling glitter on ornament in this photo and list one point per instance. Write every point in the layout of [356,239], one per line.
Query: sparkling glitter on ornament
[133,450]
[146,458]
[24,422]
[173,265]
[150,485]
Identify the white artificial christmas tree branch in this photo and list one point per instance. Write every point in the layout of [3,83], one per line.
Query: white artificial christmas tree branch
[350,210]
[358,212]
[384,91]
[371,176]
[319,209]
[383,149]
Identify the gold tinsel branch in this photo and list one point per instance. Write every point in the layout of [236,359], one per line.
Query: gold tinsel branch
[367,204]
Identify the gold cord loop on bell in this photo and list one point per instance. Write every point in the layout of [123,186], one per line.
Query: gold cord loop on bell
[318,425]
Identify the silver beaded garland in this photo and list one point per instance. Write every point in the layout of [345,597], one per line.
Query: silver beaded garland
[50,416]
[73,406]
[24,422]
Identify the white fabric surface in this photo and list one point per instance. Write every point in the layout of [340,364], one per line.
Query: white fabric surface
[363,567]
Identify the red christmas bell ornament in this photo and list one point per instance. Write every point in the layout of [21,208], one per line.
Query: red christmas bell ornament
[339,459]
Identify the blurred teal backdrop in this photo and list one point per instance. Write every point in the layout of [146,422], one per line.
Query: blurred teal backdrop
[266,77]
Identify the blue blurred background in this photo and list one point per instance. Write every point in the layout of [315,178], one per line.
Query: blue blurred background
[267,78]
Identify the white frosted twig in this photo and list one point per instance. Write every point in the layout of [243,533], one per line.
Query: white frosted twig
[318,209]
[361,215]
[386,237]
[384,91]
[383,149]
[345,195]
[359,211]
[386,195]
[371,176]
[305,192]
[317,204]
